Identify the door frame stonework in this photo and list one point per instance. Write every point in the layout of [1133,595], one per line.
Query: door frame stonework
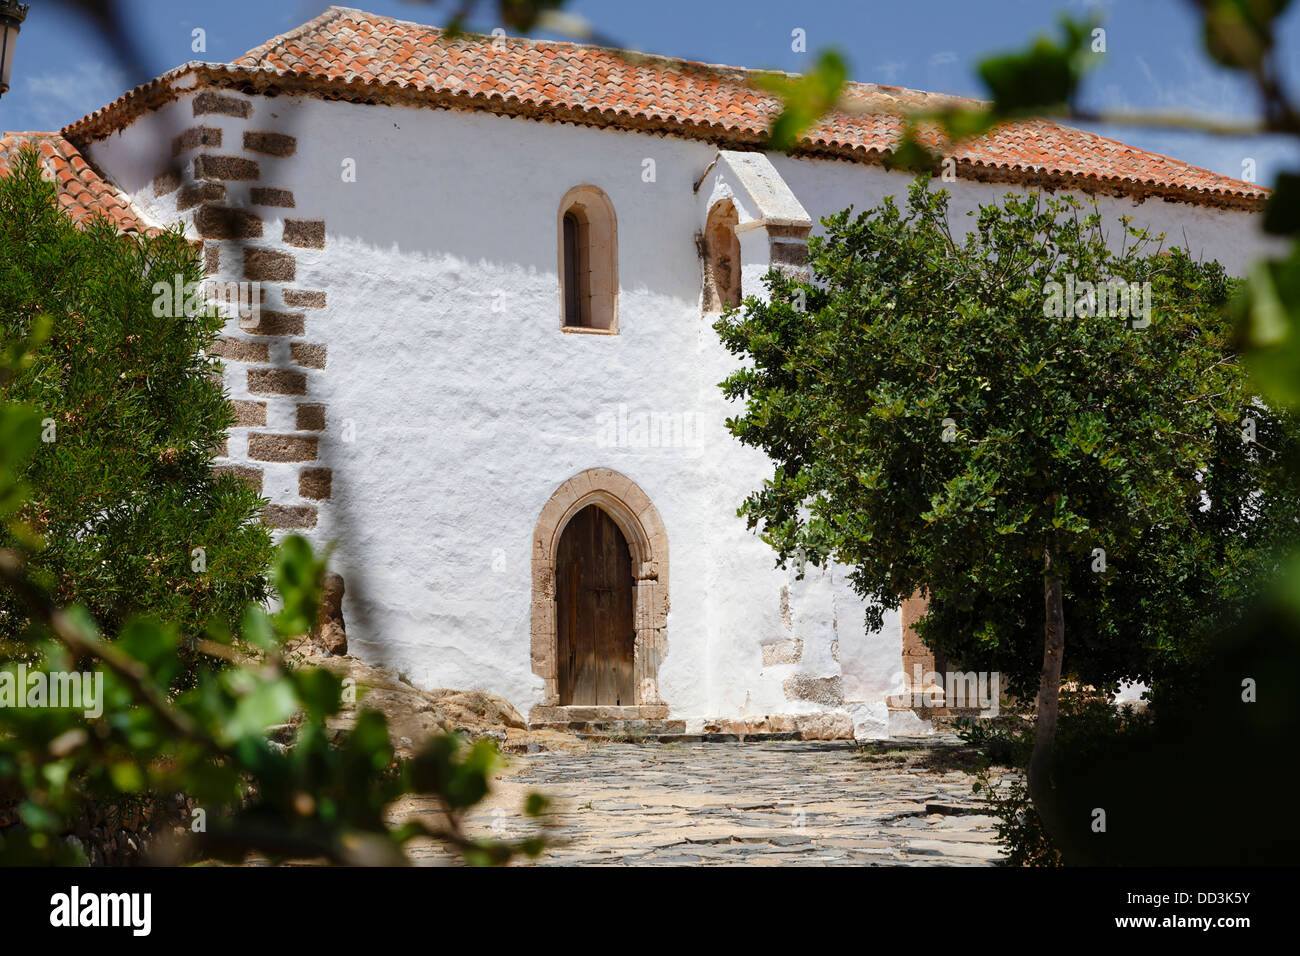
[631,509]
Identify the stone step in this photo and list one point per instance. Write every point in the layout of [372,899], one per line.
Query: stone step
[940,711]
[623,728]
[655,731]
[633,740]
[684,738]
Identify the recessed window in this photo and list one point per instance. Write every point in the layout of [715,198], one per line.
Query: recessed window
[588,247]
[721,258]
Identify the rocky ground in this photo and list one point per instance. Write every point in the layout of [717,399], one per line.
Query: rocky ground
[414,714]
[754,804]
[758,802]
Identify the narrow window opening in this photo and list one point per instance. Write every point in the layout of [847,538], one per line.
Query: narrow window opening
[577,295]
[588,267]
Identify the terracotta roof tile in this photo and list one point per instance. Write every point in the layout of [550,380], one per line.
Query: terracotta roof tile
[343,44]
[82,191]
[351,54]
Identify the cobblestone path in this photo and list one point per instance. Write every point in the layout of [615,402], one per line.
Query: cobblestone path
[754,804]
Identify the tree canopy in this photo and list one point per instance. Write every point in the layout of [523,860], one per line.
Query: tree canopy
[130,516]
[940,419]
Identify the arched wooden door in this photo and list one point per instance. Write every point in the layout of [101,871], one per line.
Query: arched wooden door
[595,612]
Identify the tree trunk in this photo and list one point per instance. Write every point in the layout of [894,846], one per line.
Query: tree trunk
[1049,694]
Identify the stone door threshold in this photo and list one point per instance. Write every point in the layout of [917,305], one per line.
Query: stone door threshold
[547,715]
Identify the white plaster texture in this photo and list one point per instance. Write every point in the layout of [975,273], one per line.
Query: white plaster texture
[456,405]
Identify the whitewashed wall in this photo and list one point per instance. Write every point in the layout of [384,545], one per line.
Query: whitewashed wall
[470,406]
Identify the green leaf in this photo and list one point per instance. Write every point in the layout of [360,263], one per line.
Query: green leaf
[320,691]
[270,702]
[256,629]
[152,643]
[1239,33]
[536,804]
[20,433]
[1043,77]
[1269,315]
[297,578]
[126,776]
[911,154]
[1282,214]
[806,99]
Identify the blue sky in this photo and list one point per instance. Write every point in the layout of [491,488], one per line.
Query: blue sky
[64,70]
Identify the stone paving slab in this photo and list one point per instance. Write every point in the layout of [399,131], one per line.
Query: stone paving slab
[769,803]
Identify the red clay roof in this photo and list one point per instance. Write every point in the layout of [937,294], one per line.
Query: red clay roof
[361,57]
[615,88]
[82,191]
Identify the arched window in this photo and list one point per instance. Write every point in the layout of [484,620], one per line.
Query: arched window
[588,247]
[721,257]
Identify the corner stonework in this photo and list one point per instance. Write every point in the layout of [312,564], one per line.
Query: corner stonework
[252,231]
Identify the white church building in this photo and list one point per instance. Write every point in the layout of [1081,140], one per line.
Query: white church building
[482,363]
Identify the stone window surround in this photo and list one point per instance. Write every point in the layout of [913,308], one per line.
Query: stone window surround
[721,226]
[638,519]
[602,257]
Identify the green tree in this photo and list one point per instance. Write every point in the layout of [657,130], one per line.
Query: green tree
[940,418]
[124,484]
[1149,614]
[129,514]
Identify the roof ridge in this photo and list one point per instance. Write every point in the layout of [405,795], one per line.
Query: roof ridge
[334,11]
[631,56]
[331,13]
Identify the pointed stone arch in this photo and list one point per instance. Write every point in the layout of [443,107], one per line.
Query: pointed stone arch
[647,540]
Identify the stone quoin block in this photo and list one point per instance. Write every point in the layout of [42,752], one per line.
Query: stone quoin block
[269,196]
[315,483]
[211,258]
[311,417]
[794,254]
[166,182]
[782,652]
[267,265]
[223,222]
[289,516]
[194,193]
[304,299]
[267,446]
[306,233]
[248,414]
[208,102]
[272,322]
[250,476]
[225,167]
[276,381]
[824,726]
[195,137]
[308,354]
[820,690]
[273,144]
